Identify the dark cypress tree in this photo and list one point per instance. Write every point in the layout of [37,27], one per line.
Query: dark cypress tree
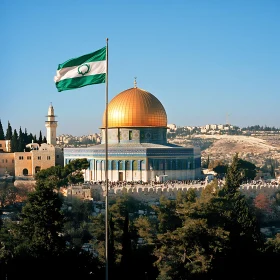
[25,140]
[126,250]
[245,238]
[234,176]
[21,144]
[111,246]
[208,161]
[9,132]
[40,141]
[14,142]
[2,135]
[34,139]
[44,139]
[30,138]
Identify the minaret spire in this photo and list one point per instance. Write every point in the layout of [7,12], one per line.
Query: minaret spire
[135,82]
[51,125]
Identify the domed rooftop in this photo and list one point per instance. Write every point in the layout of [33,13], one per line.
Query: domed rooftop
[135,107]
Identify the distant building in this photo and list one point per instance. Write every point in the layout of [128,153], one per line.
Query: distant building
[171,127]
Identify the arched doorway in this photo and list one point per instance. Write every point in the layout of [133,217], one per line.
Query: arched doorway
[25,172]
[37,169]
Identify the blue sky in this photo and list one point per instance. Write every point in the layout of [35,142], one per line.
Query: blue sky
[203,59]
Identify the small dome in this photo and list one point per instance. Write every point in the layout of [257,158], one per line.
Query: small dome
[135,107]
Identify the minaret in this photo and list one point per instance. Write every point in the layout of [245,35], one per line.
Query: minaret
[51,125]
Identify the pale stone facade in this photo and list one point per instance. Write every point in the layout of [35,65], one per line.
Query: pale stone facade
[5,145]
[29,163]
[7,164]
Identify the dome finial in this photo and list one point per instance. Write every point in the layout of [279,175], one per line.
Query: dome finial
[135,83]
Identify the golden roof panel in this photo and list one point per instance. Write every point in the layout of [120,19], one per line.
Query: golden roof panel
[135,107]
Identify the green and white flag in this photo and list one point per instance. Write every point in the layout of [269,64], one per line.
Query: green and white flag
[82,71]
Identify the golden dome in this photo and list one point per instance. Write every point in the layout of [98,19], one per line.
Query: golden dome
[135,107]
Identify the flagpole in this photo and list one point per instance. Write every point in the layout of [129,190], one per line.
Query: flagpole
[106,166]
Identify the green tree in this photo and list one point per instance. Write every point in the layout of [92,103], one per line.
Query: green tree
[111,245]
[42,222]
[167,216]
[74,170]
[208,161]
[241,222]
[219,233]
[9,132]
[14,142]
[2,135]
[145,243]
[70,173]
[126,251]
[234,176]
[34,139]
[249,170]
[77,220]
[188,251]
[220,169]
[21,144]
[269,258]
[40,140]
[30,138]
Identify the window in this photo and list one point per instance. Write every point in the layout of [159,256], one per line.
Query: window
[6,160]
[48,157]
[130,134]
[29,157]
[39,157]
[0,145]
[20,157]
[13,161]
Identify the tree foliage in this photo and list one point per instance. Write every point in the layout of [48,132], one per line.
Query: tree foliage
[39,238]
[9,132]
[219,232]
[14,142]
[2,135]
[209,234]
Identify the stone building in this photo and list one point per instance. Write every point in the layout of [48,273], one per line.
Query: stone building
[137,144]
[5,146]
[27,164]
[24,165]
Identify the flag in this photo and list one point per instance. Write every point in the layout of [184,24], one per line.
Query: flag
[82,71]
